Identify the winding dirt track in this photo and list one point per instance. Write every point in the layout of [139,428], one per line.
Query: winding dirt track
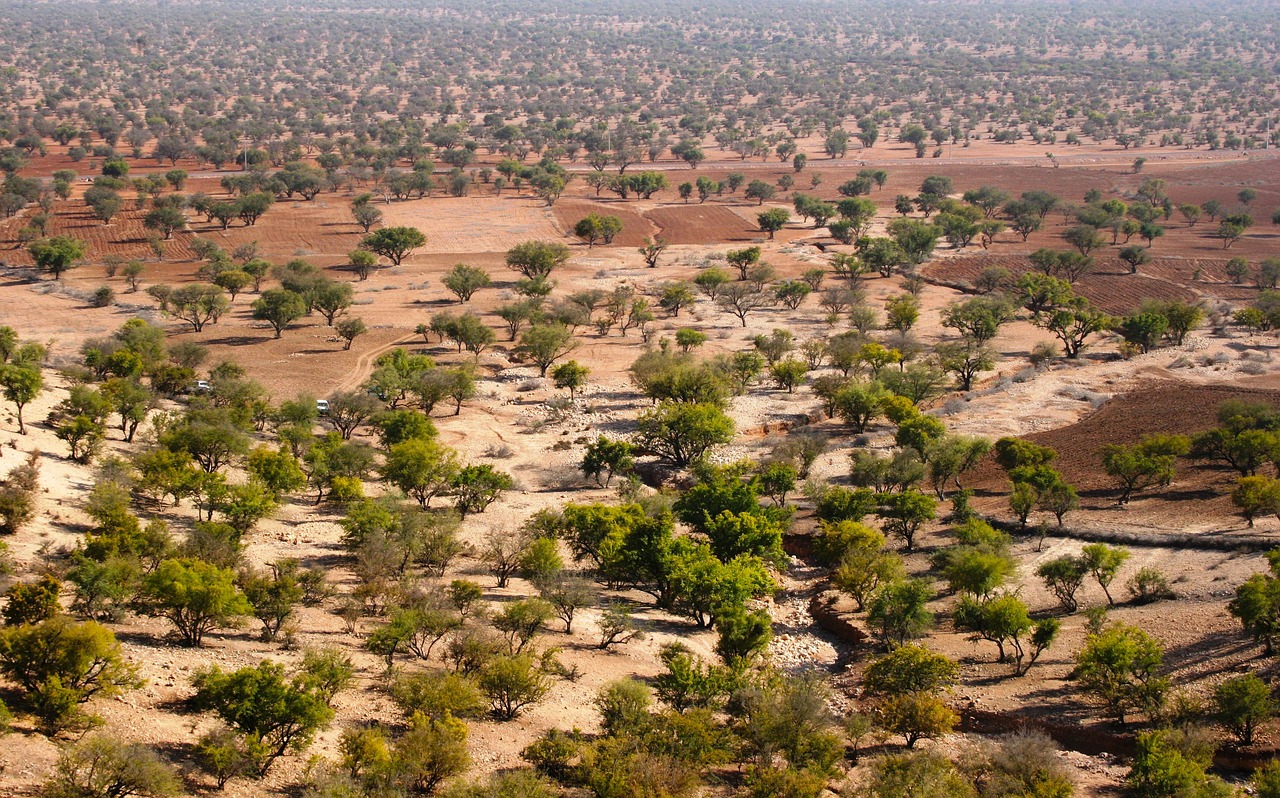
[364,365]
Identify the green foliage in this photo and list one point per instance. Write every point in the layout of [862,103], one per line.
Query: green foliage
[1169,764]
[753,534]
[682,433]
[742,636]
[477,486]
[689,682]
[275,715]
[32,602]
[393,243]
[56,254]
[521,621]
[512,683]
[924,774]
[1016,453]
[1241,703]
[903,514]
[61,664]
[1120,666]
[865,568]
[103,590]
[917,716]
[1144,465]
[606,457]
[836,504]
[103,766]
[544,344]
[196,596]
[788,716]
[422,468]
[273,595]
[705,589]
[1257,606]
[536,259]
[910,668]
[1063,576]
[279,307]
[1255,496]
[898,611]
[1266,780]
[437,695]
[1104,562]
[977,570]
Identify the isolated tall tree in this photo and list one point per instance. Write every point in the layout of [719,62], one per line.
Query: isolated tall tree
[56,254]
[279,307]
[394,243]
[21,383]
[537,259]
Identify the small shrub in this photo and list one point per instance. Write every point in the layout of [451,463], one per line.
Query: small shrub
[104,297]
[1149,585]
[1043,352]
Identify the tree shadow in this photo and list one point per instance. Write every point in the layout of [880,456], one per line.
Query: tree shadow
[238,340]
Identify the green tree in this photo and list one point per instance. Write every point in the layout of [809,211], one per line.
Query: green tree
[350,329]
[593,228]
[1257,606]
[332,299]
[197,597]
[923,774]
[910,668]
[1241,703]
[978,319]
[21,384]
[103,766]
[513,683]
[1104,562]
[742,635]
[1063,576]
[56,254]
[165,220]
[32,602]
[898,610]
[275,715]
[535,259]
[431,752]
[477,486]
[197,304]
[903,514]
[393,243]
[422,468]
[464,281]
[681,433]
[61,664]
[279,307]
[274,595]
[760,191]
[773,220]
[1120,666]
[606,457]
[571,376]
[362,262]
[1169,763]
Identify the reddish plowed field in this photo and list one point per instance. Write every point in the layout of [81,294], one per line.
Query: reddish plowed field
[1110,286]
[1162,407]
[635,228]
[701,224]
[320,229]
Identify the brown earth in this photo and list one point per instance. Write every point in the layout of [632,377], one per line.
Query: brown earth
[1199,494]
[701,224]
